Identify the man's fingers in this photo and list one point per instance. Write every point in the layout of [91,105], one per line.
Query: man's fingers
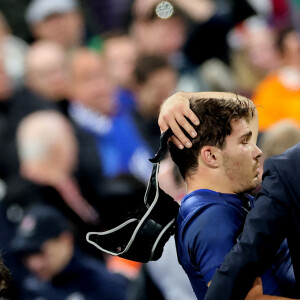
[179,134]
[163,123]
[191,115]
[176,141]
[183,122]
[173,114]
[170,122]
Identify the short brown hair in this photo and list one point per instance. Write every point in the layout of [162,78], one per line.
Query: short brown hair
[215,115]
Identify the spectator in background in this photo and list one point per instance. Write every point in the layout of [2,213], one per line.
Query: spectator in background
[16,191]
[57,269]
[14,106]
[210,18]
[164,37]
[46,70]
[253,53]
[277,96]
[201,68]
[48,76]
[45,77]
[120,54]
[91,85]
[59,21]
[155,81]
[48,153]
[167,37]
[121,148]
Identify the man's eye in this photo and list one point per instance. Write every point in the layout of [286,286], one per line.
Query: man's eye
[245,142]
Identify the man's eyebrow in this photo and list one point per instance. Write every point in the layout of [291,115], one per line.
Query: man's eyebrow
[246,135]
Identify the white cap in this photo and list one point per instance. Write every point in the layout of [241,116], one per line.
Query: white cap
[39,10]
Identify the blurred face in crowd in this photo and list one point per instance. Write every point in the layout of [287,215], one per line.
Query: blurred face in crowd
[47,147]
[291,49]
[240,156]
[53,257]
[260,47]
[65,29]
[90,83]
[158,87]
[46,70]
[120,54]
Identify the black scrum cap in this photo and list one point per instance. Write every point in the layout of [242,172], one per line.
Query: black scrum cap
[142,236]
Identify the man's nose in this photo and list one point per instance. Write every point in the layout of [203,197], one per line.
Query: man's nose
[257,152]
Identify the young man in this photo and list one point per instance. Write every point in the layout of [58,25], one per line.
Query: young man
[274,217]
[220,165]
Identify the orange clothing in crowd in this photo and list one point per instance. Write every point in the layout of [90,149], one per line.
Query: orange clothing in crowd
[128,268]
[277,97]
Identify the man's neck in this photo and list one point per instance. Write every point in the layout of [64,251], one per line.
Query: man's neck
[210,182]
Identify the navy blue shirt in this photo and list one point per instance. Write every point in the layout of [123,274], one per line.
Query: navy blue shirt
[209,224]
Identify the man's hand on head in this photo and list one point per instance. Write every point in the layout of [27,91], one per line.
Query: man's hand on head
[173,114]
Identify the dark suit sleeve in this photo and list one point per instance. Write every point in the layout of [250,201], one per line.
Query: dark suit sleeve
[263,233]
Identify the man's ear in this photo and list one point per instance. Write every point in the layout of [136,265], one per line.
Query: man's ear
[210,156]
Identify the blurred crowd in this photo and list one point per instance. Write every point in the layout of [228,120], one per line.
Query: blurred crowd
[79,102]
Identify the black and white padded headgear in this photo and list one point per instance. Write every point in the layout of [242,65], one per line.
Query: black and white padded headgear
[142,236]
